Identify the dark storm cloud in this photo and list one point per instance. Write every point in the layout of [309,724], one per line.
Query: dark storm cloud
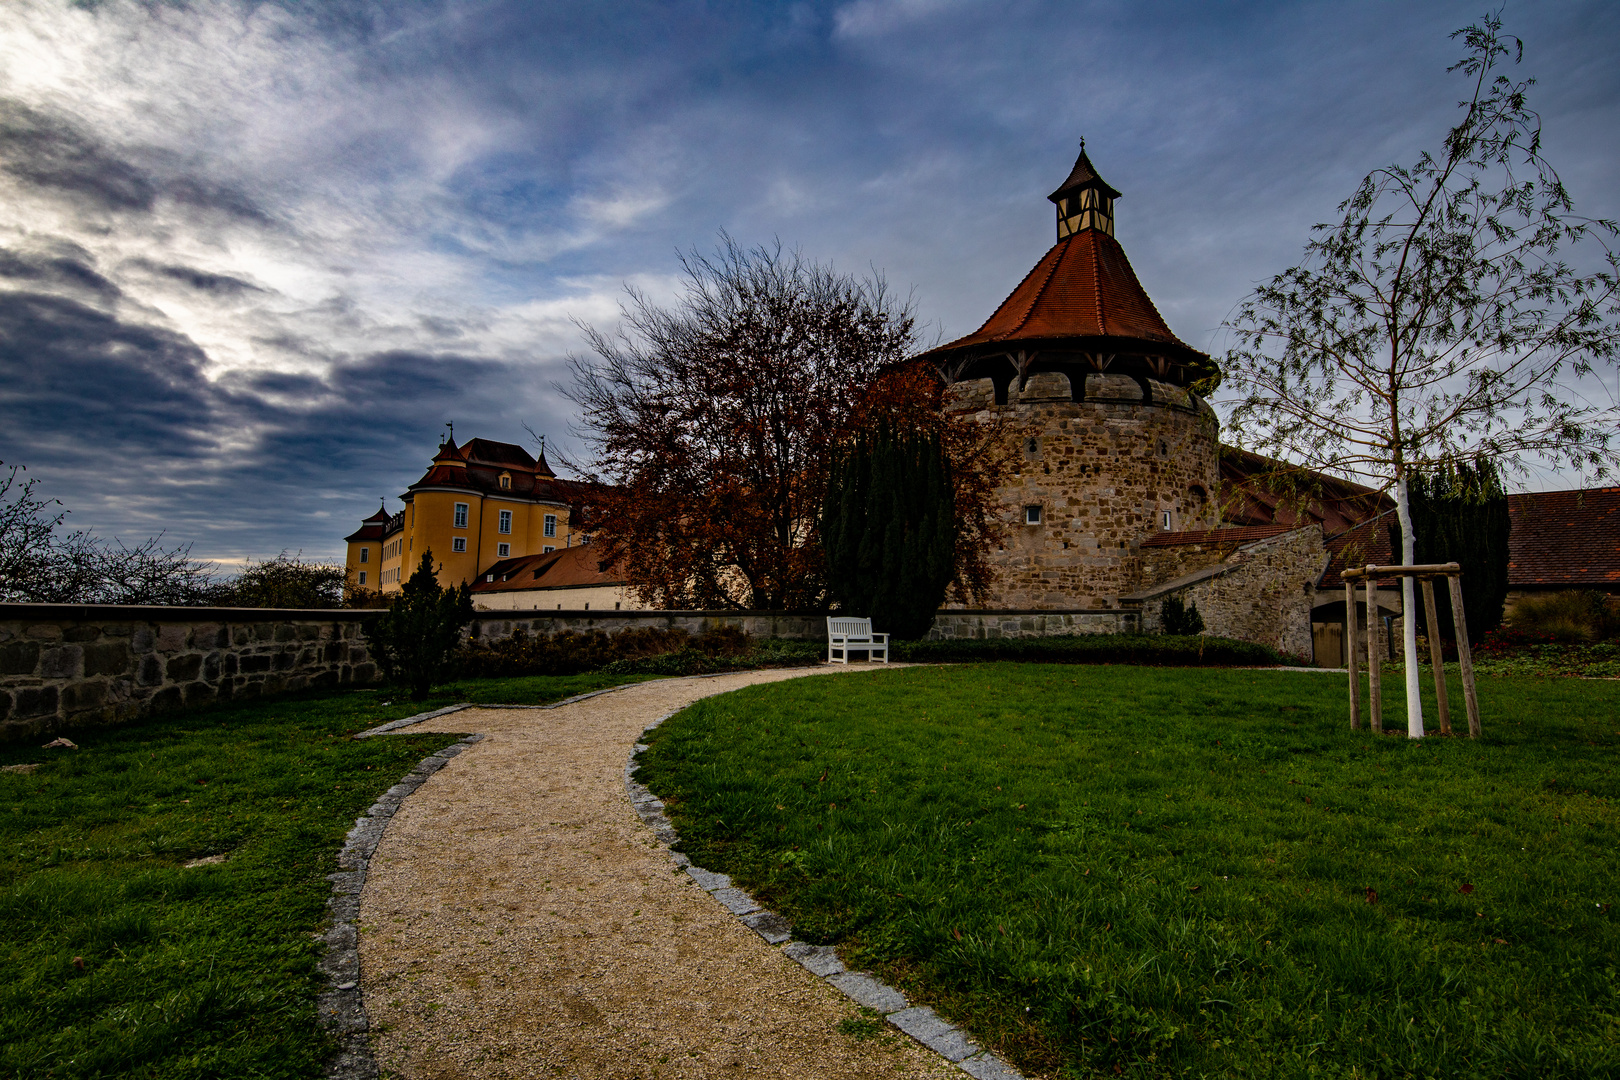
[68,269]
[95,388]
[201,280]
[50,151]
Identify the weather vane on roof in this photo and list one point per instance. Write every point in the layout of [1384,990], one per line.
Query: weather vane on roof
[451,424]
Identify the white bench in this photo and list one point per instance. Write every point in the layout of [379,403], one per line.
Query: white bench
[845,634]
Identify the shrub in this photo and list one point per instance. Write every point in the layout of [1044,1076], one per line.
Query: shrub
[1571,616]
[1179,619]
[772,652]
[570,652]
[415,642]
[1163,650]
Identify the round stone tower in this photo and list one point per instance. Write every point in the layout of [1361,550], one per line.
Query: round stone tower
[1114,441]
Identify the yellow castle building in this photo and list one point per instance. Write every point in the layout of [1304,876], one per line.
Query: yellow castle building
[480,506]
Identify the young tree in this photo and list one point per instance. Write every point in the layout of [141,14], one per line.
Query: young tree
[415,642]
[1437,321]
[713,424]
[888,530]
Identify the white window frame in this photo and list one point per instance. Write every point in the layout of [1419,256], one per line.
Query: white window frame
[365,554]
[458,543]
[503,550]
[461,515]
[551,524]
[547,549]
[1164,520]
[1032,515]
[362,577]
[505,525]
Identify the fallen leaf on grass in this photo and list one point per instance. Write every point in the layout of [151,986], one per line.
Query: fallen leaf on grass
[78,962]
[1465,889]
[1372,895]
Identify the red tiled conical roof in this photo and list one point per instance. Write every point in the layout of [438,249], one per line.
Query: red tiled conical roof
[1083,287]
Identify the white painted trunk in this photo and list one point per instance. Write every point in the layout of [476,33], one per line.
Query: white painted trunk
[1414,691]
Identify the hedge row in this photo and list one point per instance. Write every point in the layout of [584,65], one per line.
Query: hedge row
[1159,650]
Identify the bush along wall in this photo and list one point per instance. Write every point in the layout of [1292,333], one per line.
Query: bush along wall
[1160,650]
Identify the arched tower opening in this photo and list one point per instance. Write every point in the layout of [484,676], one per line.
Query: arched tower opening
[1115,440]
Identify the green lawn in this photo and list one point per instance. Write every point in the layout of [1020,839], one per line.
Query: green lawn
[1157,872]
[116,960]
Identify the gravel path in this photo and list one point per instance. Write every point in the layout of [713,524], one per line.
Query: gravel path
[519,920]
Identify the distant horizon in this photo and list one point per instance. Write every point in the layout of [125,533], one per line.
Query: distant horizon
[253,256]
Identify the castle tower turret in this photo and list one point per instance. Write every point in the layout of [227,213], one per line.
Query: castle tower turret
[1114,440]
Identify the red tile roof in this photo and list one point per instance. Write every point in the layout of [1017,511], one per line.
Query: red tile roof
[571,567]
[1083,287]
[477,465]
[1568,539]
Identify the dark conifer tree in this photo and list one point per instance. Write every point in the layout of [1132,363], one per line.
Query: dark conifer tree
[1460,515]
[888,531]
[416,641]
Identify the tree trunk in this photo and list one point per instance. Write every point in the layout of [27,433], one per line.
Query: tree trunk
[1414,687]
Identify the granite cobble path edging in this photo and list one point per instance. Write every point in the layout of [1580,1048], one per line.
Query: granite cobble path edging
[341,1007]
[918,1021]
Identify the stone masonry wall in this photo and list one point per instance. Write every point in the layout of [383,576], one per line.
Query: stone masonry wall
[72,665]
[1011,624]
[1265,597]
[1103,472]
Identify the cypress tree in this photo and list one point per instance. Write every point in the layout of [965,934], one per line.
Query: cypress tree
[888,531]
[1460,515]
[415,642]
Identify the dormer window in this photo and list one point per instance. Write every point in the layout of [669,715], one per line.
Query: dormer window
[506,481]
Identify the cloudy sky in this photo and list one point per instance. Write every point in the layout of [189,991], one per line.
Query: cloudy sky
[253,256]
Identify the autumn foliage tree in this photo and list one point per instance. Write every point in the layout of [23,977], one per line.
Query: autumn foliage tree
[712,425]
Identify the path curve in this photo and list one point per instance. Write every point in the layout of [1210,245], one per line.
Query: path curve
[519,920]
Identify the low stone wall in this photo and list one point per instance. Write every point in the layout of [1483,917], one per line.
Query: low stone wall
[801,625]
[953,624]
[75,665]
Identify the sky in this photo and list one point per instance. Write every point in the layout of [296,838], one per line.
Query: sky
[254,256]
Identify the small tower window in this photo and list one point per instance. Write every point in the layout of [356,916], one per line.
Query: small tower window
[503,550]
[362,577]
[551,524]
[461,516]
[365,554]
[506,481]
[1033,446]
[1164,521]
[506,522]
[1032,515]
[458,543]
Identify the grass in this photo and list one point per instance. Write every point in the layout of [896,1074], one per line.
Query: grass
[1156,872]
[118,960]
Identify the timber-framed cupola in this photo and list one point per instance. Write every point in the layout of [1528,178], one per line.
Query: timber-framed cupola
[1080,312]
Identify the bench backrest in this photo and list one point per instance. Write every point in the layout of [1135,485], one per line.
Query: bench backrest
[849,627]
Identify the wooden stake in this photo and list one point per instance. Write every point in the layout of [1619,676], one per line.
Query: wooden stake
[1350,643]
[1434,656]
[1465,658]
[1375,688]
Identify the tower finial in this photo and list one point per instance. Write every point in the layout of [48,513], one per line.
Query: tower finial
[1085,201]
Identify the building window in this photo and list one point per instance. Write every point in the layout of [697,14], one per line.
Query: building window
[461,516]
[551,524]
[506,522]
[1032,515]
[503,550]
[506,481]
[1164,521]
[365,554]
[547,548]
[459,543]
[362,577]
